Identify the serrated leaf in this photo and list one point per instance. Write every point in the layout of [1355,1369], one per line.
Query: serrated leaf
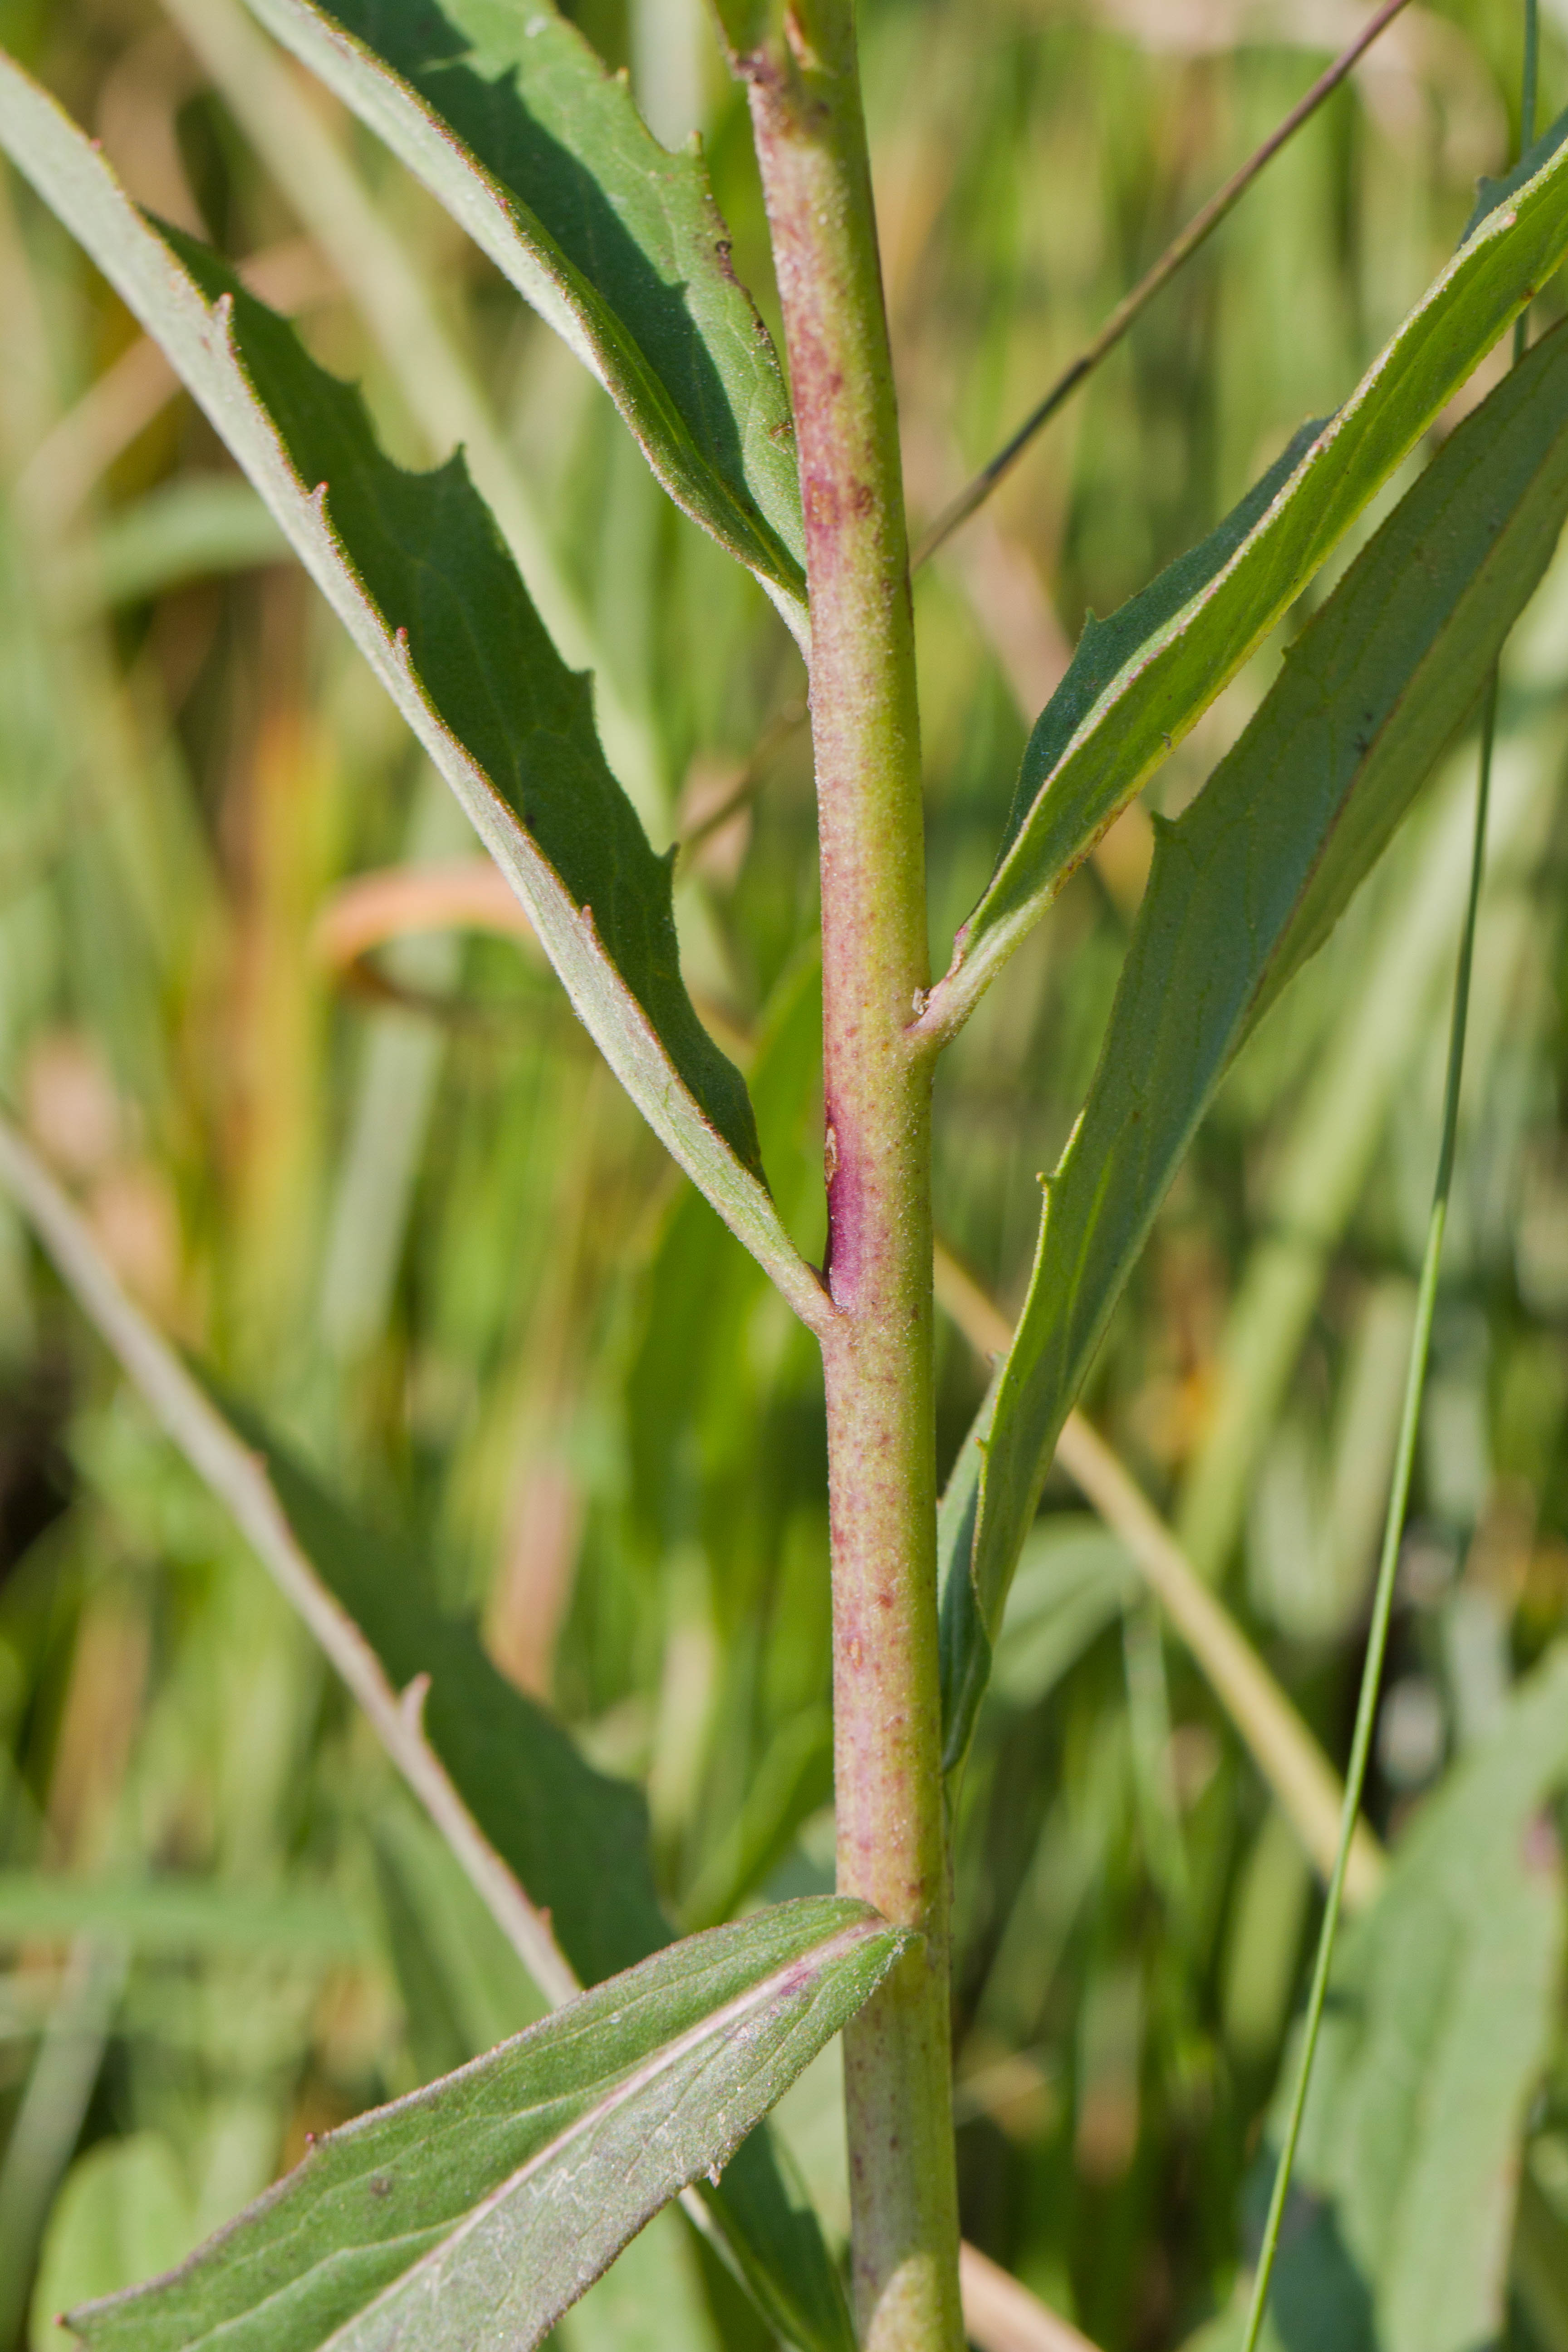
[1244,885]
[482,2205]
[513,123]
[413,566]
[1440,2022]
[1082,766]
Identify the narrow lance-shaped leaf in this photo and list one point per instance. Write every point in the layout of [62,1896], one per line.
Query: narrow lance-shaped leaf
[1244,885]
[481,2207]
[415,569]
[1102,735]
[513,123]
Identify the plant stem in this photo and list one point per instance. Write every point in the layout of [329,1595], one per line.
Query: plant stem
[811,144]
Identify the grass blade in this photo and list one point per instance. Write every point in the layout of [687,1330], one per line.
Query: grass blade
[1405,1457]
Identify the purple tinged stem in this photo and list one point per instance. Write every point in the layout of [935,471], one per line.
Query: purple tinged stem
[892,1850]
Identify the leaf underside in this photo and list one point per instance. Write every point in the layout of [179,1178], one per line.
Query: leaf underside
[513,123]
[1101,737]
[414,567]
[1244,885]
[479,2208]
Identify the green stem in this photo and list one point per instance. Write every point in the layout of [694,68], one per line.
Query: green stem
[811,145]
[1394,1527]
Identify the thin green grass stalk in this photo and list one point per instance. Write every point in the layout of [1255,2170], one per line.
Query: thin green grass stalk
[1383,1602]
[1415,1378]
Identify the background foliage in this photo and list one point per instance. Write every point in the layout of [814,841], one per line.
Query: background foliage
[400,1205]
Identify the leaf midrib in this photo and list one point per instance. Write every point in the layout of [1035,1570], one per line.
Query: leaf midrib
[717,2027]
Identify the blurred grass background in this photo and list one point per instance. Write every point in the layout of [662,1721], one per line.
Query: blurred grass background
[395,1201]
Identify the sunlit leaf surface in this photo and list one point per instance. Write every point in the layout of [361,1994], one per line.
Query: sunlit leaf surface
[513,122]
[484,2203]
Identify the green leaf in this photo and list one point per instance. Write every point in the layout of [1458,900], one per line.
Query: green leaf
[1439,2024]
[1084,763]
[484,2204]
[1246,885]
[505,1787]
[513,123]
[124,2210]
[964,1634]
[576,1840]
[1105,647]
[413,566]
